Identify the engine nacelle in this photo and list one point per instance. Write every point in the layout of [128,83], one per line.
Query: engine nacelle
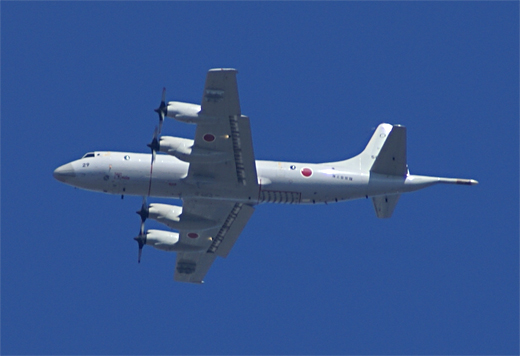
[182,148]
[184,112]
[176,146]
[170,215]
[162,240]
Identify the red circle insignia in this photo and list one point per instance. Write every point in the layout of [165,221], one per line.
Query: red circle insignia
[209,137]
[306,172]
[193,235]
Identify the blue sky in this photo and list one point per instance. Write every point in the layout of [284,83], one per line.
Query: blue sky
[439,277]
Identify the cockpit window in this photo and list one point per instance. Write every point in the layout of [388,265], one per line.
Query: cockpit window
[87,155]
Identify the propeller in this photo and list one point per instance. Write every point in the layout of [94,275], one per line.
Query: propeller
[161,110]
[141,239]
[154,145]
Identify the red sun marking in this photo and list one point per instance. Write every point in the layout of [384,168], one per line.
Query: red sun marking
[306,172]
[193,235]
[209,137]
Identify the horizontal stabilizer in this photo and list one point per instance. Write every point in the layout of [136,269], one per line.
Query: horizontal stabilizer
[384,205]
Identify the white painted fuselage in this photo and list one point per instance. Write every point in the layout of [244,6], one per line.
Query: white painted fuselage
[125,173]
[219,181]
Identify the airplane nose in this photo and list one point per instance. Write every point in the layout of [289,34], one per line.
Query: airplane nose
[64,173]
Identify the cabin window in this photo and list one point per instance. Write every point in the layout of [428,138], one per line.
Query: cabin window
[87,155]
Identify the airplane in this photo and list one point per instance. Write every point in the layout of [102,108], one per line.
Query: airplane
[219,181]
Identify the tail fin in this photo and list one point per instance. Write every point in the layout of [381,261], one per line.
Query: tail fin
[391,159]
[385,153]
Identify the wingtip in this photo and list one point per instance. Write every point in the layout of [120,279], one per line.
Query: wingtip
[223,70]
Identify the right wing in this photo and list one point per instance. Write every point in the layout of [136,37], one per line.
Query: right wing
[226,133]
[229,220]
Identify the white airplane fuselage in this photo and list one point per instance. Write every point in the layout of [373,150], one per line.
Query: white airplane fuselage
[219,181]
[126,173]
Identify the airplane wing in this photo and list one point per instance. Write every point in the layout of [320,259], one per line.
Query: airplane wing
[225,131]
[229,220]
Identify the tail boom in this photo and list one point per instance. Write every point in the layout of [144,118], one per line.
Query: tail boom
[458,181]
[415,182]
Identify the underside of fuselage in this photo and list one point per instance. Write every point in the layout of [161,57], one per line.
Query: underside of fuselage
[125,173]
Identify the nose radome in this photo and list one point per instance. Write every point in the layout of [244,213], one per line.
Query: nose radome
[64,173]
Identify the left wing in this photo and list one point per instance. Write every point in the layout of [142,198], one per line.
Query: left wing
[215,239]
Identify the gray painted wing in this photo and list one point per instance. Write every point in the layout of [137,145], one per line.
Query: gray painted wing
[232,174]
[225,131]
[230,219]
[220,97]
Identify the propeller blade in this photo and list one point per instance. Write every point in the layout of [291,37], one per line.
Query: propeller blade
[141,241]
[155,145]
[151,172]
[161,110]
[163,94]
[139,254]
[144,205]
[143,213]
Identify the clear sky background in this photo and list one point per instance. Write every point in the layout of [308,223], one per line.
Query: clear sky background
[439,277]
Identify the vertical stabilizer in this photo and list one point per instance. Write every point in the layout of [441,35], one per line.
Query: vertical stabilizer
[391,159]
[385,153]
[371,151]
